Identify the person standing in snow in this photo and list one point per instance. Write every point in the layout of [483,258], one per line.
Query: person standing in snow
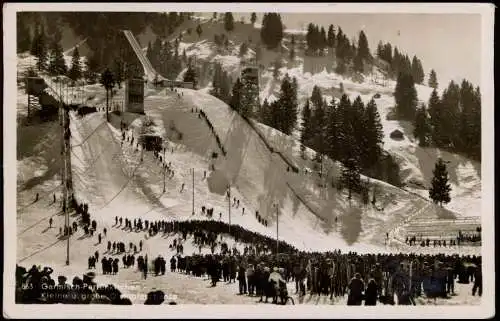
[356,288]
[50,222]
[371,292]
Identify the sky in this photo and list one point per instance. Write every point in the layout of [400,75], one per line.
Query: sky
[448,43]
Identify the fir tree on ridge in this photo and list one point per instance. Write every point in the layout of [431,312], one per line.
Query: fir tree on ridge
[440,188]
[75,71]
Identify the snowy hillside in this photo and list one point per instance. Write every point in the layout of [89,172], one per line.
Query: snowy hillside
[416,162]
[117,178]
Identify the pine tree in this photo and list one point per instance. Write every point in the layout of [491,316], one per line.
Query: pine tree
[119,74]
[228,21]
[108,82]
[332,131]
[420,73]
[288,105]
[433,79]
[440,189]
[216,81]
[387,53]
[322,40]
[340,44]
[331,36]
[57,65]
[373,134]
[90,67]
[347,142]
[464,141]
[310,38]
[199,31]
[351,176]
[358,63]
[358,123]
[450,122]
[253,18]
[39,48]
[307,130]
[392,170]
[23,34]
[474,149]
[265,113]
[235,102]
[35,41]
[271,32]
[75,71]
[422,128]
[318,121]
[406,97]
[417,71]
[380,50]
[225,92]
[436,118]
[363,49]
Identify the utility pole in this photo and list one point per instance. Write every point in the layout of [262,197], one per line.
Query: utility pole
[65,174]
[193,190]
[164,177]
[229,203]
[277,230]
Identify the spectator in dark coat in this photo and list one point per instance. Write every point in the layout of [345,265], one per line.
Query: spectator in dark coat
[356,288]
[371,293]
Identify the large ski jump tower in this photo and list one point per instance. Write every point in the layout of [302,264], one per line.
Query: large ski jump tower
[134,95]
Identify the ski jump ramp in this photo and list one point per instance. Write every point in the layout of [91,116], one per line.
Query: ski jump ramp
[149,71]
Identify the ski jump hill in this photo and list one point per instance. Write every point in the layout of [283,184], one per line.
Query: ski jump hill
[260,164]
[149,71]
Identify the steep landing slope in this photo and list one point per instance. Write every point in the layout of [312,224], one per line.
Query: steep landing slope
[111,178]
[262,177]
[254,178]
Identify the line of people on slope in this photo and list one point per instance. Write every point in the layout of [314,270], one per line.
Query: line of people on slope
[201,114]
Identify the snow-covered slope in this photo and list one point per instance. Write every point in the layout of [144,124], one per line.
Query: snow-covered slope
[114,181]
[416,162]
